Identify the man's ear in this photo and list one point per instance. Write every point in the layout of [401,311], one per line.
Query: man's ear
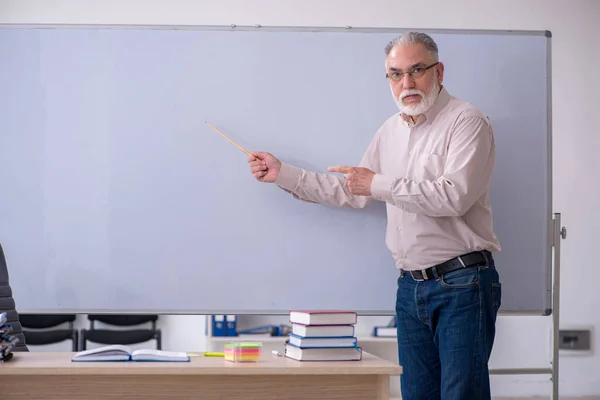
[440,72]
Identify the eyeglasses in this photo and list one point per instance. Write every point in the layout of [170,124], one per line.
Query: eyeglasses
[415,73]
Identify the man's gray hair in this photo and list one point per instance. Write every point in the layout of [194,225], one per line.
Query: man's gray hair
[415,38]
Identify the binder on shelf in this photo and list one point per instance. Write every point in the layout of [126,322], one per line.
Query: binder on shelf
[218,325]
[271,330]
[231,327]
[385,331]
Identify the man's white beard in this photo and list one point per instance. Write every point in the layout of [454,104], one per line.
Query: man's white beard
[425,104]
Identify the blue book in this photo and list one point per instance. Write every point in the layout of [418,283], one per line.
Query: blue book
[322,341]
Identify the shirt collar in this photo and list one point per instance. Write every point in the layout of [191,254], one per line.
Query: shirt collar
[440,102]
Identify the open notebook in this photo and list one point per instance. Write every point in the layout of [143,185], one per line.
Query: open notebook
[124,353]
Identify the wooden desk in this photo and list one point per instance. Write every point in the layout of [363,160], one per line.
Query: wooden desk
[41,375]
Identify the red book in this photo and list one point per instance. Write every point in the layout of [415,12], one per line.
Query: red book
[323,317]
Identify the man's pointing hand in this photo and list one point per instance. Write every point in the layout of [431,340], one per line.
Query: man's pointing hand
[358,179]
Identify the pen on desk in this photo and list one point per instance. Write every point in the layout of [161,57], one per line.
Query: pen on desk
[214,354]
[277,353]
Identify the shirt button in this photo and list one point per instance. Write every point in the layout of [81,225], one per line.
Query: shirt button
[403,255]
[399,229]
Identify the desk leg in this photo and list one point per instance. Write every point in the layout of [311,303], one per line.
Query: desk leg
[383,387]
[205,387]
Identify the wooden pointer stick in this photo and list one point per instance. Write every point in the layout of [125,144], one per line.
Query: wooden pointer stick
[232,142]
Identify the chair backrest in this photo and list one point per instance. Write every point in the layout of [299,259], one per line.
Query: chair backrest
[123,319]
[121,336]
[41,321]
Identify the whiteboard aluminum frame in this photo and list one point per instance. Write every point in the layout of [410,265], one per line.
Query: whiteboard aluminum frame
[280,28]
[348,28]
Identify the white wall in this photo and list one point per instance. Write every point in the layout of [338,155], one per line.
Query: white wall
[522,341]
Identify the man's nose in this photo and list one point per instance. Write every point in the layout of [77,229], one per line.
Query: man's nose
[408,82]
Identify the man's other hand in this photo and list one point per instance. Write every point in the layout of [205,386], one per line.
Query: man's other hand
[264,166]
[358,179]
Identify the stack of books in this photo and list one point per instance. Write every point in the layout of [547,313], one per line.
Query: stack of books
[7,341]
[326,335]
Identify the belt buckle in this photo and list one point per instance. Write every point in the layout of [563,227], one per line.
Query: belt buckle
[423,274]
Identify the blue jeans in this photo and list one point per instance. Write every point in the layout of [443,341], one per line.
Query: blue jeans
[446,330]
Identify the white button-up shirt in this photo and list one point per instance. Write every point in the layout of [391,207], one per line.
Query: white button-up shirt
[434,177]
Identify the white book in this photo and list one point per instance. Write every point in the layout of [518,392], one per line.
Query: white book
[124,353]
[306,342]
[323,354]
[323,330]
[323,317]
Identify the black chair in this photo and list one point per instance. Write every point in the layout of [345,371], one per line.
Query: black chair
[121,336]
[41,329]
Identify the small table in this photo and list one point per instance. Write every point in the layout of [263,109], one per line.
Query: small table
[45,375]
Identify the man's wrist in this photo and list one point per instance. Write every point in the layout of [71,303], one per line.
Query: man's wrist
[381,187]
[288,176]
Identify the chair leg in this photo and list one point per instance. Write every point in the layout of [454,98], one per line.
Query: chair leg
[82,344]
[75,339]
[158,340]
